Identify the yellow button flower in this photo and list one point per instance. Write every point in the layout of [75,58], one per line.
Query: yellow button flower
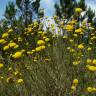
[73,88]
[75,81]
[2,41]
[94,61]
[89,89]
[78,10]
[94,89]
[1,65]
[76,62]
[65,37]
[5,47]
[10,80]
[17,55]
[89,61]
[5,35]
[80,46]
[79,30]
[12,44]
[69,27]
[89,48]
[20,81]
[42,47]
[47,39]
[16,46]
[10,30]
[40,42]
[91,68]
[38,49]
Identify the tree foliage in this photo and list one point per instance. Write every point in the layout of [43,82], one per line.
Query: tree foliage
[24,10]
[65,8]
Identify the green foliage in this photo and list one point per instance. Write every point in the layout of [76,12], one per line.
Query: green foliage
[29,10]
[23,11]
[10,13]
[65,8]
[82,5]
[90,14]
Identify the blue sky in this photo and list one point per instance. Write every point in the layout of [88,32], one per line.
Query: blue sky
[48,5]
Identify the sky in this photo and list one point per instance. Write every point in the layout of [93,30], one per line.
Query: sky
[48,5]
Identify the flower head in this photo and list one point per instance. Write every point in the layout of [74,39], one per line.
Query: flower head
[17,55]
[40,42]
[1,65]
[78,10]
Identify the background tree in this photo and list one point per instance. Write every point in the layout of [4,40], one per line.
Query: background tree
[65,8]
[81,4]
[10,13]
[90,14]
[28,9]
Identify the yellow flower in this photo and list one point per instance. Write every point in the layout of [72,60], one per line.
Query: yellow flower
[71,40]
[69,27]
[5,47]
[10,30]
[75,35]
[19,39]
[47,59]
[20,81]
[29,30]
[91,68]
[35,60]
[80,46]
[89,61]
[72,50]
[89,48]
[89,89]
[40,42]
[76,62]
[33,51]
[92,28]
[1,77]
[16,46]
[23,50]
[12,44]
[75,81]
[10,68]
[78,10]
[42,47]
[1,65]
[16,73]
[17,55]
[40,32]
[10,80]
[38,49]
[94,89]
[94,61]
[47,39]
[65,37]
[4,35]
[2,41]
[72,22]
[29,52]
[73,88]
[79,30]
